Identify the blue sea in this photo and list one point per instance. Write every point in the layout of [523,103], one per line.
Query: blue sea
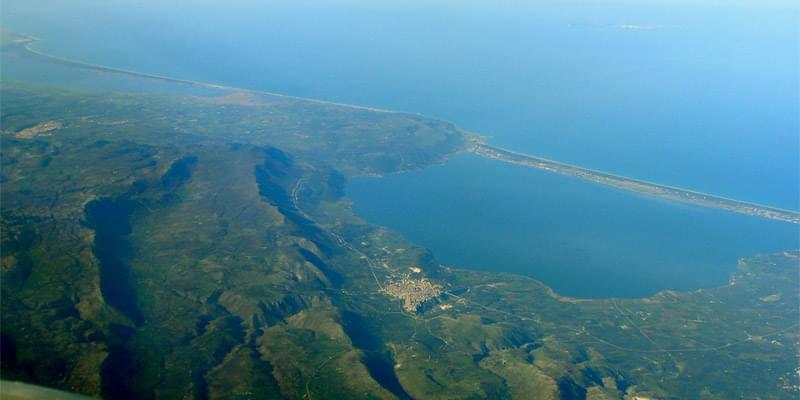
[702,95]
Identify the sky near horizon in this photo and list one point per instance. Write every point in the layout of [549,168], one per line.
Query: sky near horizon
[44,6]
[15,14]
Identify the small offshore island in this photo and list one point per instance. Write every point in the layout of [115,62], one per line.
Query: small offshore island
[635,185]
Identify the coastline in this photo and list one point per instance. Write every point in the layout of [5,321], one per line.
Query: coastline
[476,145]
[665,192]
[27,42]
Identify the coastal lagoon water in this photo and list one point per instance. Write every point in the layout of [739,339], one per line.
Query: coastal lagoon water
[583,239]
[700,95]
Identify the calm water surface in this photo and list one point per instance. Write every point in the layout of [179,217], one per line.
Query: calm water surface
[702,95]
[699,94]
[582,239]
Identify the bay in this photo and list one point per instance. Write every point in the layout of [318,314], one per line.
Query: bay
[582,239]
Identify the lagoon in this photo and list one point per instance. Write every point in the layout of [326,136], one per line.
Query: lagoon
[583,239]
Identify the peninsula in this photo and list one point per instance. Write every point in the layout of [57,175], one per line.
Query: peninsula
[635,185]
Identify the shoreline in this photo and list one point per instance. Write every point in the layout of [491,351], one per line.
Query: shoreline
[28,41]
[476,145]
[666,192]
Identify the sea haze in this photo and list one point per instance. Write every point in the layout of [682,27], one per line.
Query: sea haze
[690,94]
[697,95]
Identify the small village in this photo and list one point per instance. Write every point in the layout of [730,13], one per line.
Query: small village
[413,292]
